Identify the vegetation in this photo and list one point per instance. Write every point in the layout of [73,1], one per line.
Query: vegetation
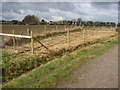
[31,20]
[16,64]
[49,74]
[34,20]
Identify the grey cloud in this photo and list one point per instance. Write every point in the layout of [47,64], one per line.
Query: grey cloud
[65,6]
[7,6]
[61,10]
[105,5]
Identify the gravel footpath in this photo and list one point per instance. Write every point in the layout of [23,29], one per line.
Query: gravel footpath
[100,72]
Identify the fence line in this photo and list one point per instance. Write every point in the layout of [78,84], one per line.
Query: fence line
[66,30]
[22,36]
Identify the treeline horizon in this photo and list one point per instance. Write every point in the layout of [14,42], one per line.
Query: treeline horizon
[34,20]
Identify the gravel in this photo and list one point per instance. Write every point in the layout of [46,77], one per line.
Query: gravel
[100,72]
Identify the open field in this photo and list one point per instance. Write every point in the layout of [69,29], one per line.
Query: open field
[18,60]
[65,41]
[37,29]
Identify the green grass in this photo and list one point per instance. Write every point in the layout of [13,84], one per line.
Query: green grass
[49,74]
[14,65]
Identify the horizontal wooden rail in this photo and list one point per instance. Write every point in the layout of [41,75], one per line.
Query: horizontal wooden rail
[12,35]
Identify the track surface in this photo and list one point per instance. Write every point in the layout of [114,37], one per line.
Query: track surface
[100,72]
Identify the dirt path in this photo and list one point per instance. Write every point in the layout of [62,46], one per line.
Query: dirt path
[100,72]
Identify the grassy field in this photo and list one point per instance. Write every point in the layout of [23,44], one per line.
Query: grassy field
[49,74]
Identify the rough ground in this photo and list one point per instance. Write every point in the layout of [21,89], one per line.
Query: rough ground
[56,43]
[100,72]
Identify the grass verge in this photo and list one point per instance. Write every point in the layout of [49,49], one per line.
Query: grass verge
[51,73]
[15,65]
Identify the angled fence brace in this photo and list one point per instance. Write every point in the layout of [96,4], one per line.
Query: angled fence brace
[41,43]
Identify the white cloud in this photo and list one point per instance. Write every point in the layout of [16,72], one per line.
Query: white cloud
[60,11]
[57,18]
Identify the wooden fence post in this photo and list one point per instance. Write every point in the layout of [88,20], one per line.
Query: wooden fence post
[84,35]
[111,28]
[94,32]
[45,29]
[38,31]
[56,27]
[65,27]
[101,31]
[71,28]
[28,31]
[68,36]
[13,40]
[32,43]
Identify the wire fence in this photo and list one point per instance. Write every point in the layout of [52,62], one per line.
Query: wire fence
[56,37]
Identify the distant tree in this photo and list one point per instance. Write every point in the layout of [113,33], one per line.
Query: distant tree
[51,22]
[64,22]
[31,19]
[90,23]
[69,22]
[43,22]
[3,20]
[118,24]
[74,21]
[79,21]
[113,24]
[14,21]
[96,23]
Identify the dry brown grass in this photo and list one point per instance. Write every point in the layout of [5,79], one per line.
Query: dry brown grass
[58,42]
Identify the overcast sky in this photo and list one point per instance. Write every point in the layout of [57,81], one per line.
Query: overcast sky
[94,11]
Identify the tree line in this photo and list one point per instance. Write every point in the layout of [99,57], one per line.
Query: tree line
[34,20]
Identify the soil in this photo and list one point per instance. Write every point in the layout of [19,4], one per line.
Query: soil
[56,43]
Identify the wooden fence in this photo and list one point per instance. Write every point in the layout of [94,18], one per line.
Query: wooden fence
[31,36]
[22,36]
